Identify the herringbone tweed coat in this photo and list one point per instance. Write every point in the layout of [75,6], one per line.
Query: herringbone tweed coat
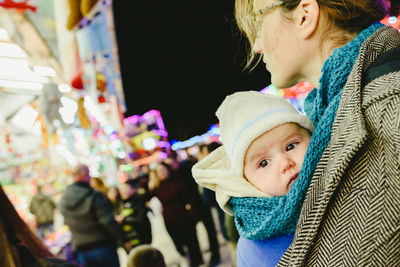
[351,214]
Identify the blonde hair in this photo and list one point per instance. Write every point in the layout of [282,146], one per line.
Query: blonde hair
[341,19]
[246,22]
[98,184]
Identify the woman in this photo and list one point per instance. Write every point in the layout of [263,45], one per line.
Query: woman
[19,246]
[180,212]
[114,196]
[351,210]
[135,222]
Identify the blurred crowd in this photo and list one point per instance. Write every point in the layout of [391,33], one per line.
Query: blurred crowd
[103,219]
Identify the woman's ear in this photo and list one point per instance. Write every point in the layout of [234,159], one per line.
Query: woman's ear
[306,17]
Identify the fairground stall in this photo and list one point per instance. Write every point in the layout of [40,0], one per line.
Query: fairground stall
[61,99]
[148,139]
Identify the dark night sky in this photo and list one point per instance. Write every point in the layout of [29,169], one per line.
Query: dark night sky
[181,57]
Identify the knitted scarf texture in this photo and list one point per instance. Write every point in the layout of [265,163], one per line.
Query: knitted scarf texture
[260,218]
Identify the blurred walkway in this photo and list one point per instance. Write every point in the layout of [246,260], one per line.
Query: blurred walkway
[163,242]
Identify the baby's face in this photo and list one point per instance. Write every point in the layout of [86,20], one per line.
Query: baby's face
[273,160]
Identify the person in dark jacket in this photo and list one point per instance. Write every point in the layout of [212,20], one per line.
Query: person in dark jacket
[180,210]
[205,215]
[88,214]
[135,222]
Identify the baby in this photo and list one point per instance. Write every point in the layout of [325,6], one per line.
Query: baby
[264,142]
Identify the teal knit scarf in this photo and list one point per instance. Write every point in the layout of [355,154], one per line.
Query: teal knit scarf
[261,218]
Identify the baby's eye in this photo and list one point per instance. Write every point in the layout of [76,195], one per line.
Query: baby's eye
[291,146]
[264,163]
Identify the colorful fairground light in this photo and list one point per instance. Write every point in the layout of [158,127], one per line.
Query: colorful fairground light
[295,94]
[147,137]
[212,135]
[392,21]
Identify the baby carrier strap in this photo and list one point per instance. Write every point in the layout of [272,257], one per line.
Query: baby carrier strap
[385,63]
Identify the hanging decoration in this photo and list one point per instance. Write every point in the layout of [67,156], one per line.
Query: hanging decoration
[77,80]
[19,5]
[49,106]
[45,137]
[79,9]
[87,6]
[101,83]
[83,119]
[43,129]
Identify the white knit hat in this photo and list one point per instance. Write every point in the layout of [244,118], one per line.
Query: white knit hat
[246,115]
[243,117]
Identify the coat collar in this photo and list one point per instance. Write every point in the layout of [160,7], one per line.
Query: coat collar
[349,131]
[348,135]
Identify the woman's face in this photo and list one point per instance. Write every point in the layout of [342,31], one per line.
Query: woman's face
[279,44]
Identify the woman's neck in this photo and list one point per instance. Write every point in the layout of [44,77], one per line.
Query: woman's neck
[324,51]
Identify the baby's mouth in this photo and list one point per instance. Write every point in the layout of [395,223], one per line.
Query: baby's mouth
[294,178]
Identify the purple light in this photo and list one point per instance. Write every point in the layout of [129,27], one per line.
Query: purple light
[162,133]
[132,119]
[164,144]
[160,123]
[162,155]
[151,113]
[265,89]
[135,119]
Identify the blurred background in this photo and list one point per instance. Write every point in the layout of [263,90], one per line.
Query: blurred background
[117,87]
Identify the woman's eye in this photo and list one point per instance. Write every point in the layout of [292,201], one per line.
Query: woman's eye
[264,163]
[291,146]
